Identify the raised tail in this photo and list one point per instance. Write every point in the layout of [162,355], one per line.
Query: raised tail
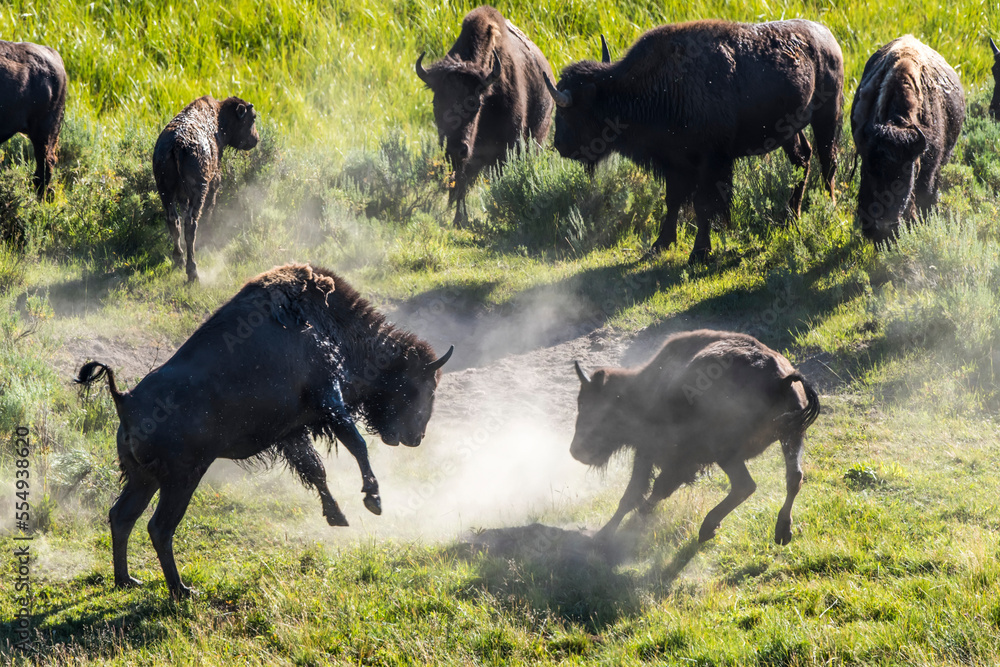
[92,371]
[799,420]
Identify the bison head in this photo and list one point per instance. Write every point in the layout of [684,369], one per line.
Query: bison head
[889,166]
[601,426]
[402,398]
[237,122]
[995,102]
[583,132]
[459,88]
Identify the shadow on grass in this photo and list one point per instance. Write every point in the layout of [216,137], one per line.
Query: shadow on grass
[565,572]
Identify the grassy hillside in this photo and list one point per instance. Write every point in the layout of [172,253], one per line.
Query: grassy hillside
[895,555]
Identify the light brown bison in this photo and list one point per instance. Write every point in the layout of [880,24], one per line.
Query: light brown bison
[906,117]
[995,102]
[706,397]
[688,99]
[489,93]
[186,163]
[32,101]
[296,354]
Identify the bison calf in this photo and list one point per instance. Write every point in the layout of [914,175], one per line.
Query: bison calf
[489,93]
[906,117]
[32,101]
[186,163]
[296,354]
[706,397]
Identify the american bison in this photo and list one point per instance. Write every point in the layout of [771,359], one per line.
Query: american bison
[706,397]
[296,354]
[489,93]
[186,163]
[906,117]
[32,101]
[995,102]
[690,98]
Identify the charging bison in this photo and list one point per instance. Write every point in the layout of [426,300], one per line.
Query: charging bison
[906,117]
[186,163]
[689,99]
[995,102]
[297,353]
[489,93]
[32,101]
[706,397]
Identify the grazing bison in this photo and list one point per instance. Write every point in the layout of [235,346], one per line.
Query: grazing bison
[706,397]
[906,118]
[297,353]
[489,93]
[995,102]
[32,100]
[186,163]
[688,99]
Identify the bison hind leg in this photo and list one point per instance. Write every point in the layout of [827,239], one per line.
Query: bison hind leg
[792,449]
[133,500]
[799,152]
[302,457]
[742,487]
[175,495]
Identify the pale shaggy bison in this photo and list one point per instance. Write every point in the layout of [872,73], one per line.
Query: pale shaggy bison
[296,354]
[489,93]
[706,397]
[906,117]
[689,99]
[32,101]
[186,163]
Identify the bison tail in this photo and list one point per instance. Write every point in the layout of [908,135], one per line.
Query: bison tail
[94,371]
[800,420]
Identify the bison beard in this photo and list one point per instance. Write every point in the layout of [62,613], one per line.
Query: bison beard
[296,353]
[706,397]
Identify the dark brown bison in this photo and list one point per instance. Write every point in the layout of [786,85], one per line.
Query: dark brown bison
[32,101]
[689,99]
[995,102]
[186,163]
[296,354]
[906,117]
[489,93]
[706,397]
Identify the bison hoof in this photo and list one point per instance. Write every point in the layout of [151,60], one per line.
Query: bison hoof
[193,277]
[373,503]
[184,592]
[336,518]
[699,256]
[127,582]
[783,535]
[707,532]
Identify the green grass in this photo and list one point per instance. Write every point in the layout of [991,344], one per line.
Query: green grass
[894,560]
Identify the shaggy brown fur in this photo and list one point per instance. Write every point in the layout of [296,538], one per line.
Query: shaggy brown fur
[906,117]
[690,98]
[489,93]
[186,163]
[296,353]
[706,397]
[32,101]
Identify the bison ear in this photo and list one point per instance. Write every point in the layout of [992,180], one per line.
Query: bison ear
[605,51]
[494,74]
[584,378]
[438,363]
[996,51]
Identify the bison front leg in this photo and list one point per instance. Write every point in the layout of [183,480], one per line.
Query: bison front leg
[711,203]
[347,433]
[742,487]
[642,469]
[792,448]
[174,499]
[679,188]
[304,460]
[799,152]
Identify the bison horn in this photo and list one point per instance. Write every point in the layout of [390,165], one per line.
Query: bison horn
[421,72]
[434,365]
[996,51]
[494,74]
[584,378]
[562,99]
[605,51]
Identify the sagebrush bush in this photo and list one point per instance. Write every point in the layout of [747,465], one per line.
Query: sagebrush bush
[544,202]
